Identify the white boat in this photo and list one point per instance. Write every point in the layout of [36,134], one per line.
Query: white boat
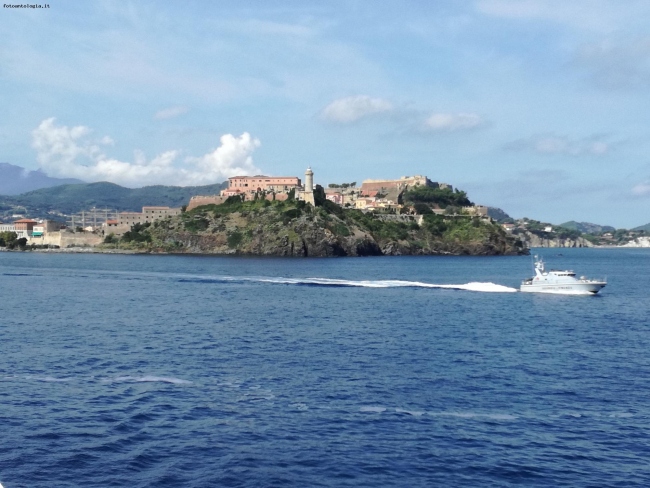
[555,281]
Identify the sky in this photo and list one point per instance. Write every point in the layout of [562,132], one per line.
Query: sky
[539,107]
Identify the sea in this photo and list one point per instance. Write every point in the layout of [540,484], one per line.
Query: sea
[203,371]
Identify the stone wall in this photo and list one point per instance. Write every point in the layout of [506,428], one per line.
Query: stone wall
[400,218]
[200,200]
[67,239]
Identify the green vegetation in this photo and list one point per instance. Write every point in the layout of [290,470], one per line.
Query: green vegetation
[442,197]
[459,228]
[342,185]
[292,227]
[644,228]
[422,208]
[587,228]
[8,239]
[138,234]
[234,239]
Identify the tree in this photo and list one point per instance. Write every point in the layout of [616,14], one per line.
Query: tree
[422,208]
[440,196]
[8,239]
[319,196]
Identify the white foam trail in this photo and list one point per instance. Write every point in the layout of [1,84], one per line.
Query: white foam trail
[473,415]
[50,379]
[372,409]
[473,286]
[410,412]
[148,379]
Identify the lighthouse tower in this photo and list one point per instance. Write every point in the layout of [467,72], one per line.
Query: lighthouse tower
[307,192]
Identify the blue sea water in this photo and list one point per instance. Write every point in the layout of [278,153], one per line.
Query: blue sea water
[191,371]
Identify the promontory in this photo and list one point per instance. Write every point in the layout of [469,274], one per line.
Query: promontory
[296,228]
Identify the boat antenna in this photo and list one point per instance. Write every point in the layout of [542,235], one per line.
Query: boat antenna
[532,262]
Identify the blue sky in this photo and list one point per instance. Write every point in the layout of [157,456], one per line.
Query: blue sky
[540,107]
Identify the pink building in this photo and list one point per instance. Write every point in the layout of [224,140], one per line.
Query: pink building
[249,185]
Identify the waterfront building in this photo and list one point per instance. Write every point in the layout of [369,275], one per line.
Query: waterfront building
[148,214]
[24,227]
[151,214]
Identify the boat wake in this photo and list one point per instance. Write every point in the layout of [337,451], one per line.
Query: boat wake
[331,282]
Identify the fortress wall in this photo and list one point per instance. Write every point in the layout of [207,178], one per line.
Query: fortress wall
[81,239]
[200,200]
[65,239]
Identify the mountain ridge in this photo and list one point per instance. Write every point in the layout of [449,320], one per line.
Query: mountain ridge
[587,227]
[15,180]
[73,198]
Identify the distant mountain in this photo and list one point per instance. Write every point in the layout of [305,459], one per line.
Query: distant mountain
[587,228]
[68,199]
[15,180]
[497,214]
[645,227]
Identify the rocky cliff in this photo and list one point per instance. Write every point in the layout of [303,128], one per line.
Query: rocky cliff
[533,240]
[297,229]
[638,242]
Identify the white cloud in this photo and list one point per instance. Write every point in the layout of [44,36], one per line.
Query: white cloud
[170,113]
[352,109]
[642,189]
[452,122]
[70,152]
[231,158]
[554,144]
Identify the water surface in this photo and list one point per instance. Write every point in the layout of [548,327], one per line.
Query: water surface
[143,371]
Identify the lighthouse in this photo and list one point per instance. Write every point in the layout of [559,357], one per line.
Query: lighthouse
[307,192]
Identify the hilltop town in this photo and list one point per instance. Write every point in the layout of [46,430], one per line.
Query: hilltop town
[405,201]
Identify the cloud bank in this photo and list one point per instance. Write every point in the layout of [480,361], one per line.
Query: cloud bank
[71,152]
[352,109]
[349,110]
[452,122]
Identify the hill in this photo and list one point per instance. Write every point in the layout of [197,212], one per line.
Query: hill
[498,214]
[294,228]
[15,180]
[587,228]
[645,227]
[68,199]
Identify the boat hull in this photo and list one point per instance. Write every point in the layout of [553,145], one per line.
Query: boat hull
[564,288]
